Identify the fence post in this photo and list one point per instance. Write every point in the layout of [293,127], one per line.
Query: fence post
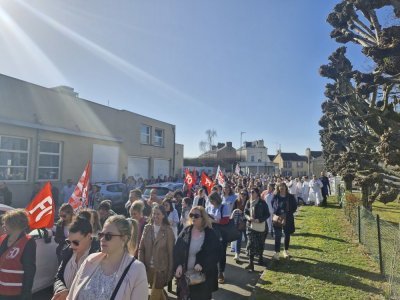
[378,223]
[359,223]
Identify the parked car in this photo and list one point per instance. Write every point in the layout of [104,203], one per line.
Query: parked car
[46,259]
[162,189]
[114,191]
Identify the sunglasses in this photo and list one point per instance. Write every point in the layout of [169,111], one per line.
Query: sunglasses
[74,242]
[196,216]
[107,236]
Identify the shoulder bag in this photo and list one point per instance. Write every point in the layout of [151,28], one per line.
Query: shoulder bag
[229,232]
[280,220]
[259,227]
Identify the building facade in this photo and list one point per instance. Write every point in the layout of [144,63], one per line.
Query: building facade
[254,159]
[49,134]
[291,164]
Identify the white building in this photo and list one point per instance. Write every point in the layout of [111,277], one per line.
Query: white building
[253,158]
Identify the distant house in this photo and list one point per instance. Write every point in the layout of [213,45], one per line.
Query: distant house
[291,164]
[253,157]
[317,162]
[49,134]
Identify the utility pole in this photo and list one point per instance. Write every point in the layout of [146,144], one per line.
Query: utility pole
[241,145]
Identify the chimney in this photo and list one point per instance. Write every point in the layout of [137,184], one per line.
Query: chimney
[220,145]
[229,144]
[66,90]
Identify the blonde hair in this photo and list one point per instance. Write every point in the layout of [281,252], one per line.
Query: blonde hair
[126,228]
[205,220]
[16,219]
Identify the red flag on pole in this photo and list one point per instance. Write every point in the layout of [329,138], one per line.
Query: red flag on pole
[207,182]
[189,180]
[41,209]
[79,197]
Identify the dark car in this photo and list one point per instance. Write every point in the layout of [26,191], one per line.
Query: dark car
[162,189]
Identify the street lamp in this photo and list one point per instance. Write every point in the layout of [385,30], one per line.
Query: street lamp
[308,154]
[241,135]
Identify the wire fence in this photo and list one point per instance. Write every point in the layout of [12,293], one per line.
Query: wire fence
[380,238]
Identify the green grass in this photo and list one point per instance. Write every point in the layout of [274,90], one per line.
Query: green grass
[388,212]
[326,262]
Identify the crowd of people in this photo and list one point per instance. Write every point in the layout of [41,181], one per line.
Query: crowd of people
[103,255]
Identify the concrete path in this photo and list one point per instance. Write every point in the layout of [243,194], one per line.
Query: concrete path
[239,283]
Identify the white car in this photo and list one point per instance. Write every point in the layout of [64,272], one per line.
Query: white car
[46,258]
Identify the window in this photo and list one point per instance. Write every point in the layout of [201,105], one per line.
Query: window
[158,137]
[252,158]
[299,164]
[287,164]
[49,160]
[13,158]
[145,133]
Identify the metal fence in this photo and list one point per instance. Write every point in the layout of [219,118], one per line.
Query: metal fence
[380,238]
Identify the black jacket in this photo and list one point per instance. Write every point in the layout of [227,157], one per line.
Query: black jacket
[261,211]
[66,254]
[287,205]
[5,196]
[207,257]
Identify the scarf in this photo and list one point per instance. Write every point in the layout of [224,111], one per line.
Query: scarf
[253,204]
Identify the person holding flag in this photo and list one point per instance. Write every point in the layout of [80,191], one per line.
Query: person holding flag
[17,257]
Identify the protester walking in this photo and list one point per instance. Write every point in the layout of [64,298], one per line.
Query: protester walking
[197,251]
[173,217]
[284,206]
[156,252]
[257,213]
[239,220]
[315,195]
[219,214]
[80,245]
[326,188]
[66,212]
[113,271]
[17,268]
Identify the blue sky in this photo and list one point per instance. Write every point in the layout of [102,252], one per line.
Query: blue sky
[229,65]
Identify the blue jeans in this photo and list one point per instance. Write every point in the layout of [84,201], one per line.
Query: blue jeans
[238,244]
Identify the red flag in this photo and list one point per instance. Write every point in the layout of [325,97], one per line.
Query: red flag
[194,176]
[79,197]
[207,182]
[189,180]
[41,209]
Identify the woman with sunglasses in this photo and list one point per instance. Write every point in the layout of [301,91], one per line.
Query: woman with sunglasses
[80,245]
[156,252]
[197,248]
[17,267]
[113,271]
[256,212]
[66,212]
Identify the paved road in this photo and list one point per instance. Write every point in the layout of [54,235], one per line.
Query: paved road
[238,285]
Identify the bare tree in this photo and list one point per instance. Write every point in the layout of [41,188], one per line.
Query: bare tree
[209,142]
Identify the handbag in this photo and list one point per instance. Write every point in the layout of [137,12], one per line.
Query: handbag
[194,277]
[228,232]
[279,220]
[259,227]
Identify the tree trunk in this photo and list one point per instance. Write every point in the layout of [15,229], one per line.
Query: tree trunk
[364,197]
